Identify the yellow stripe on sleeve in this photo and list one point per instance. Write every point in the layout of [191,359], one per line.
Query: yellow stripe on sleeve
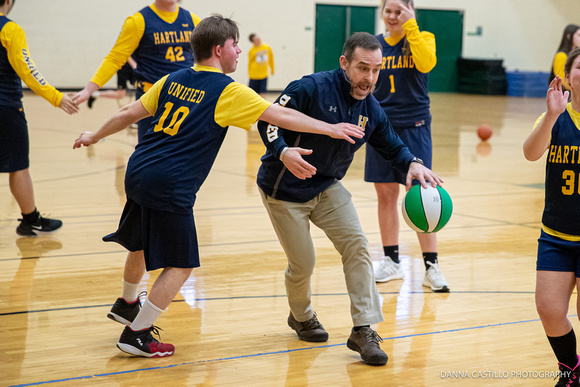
[150,99]
[13,39]
[239,106]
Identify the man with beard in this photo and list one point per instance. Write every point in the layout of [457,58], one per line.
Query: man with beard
[300,182]
[192,109]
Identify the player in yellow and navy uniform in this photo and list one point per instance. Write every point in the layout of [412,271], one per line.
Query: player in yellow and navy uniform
[16,65]
[408,56]
[191,109]
[157,38]
[557,131]
[260,58]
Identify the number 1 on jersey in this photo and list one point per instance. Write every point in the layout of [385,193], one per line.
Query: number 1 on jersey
[392,78]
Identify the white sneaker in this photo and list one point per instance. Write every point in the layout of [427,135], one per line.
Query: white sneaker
[435,280]
[388,271]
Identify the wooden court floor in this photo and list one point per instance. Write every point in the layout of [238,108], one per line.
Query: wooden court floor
[229,321]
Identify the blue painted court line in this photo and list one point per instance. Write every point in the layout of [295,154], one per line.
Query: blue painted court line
[274,353]
[257,297]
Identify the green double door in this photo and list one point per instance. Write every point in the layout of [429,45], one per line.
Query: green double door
[334,23]
[447,26]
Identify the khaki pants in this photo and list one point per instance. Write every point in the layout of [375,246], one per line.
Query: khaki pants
[334,213]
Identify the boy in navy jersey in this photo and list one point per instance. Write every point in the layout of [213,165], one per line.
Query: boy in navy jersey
[157,38]
[16,66]
[192,109]
[558,263]
[300,182]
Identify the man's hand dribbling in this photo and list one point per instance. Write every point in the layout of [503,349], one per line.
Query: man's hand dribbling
[423,174]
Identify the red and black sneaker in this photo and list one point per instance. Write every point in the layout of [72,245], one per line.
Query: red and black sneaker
[124,312]
[142,343]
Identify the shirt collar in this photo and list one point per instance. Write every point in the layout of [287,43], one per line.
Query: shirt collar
[198,67]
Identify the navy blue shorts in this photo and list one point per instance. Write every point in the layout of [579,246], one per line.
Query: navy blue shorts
[166,238]
[417,139]
[259,85]
[14,145]
[555,254]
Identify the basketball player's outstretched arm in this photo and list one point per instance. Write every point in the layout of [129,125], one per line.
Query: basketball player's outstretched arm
[538,141]
[126,116]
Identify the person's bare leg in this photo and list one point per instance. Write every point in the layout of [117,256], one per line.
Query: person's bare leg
[21,187]
[134,267]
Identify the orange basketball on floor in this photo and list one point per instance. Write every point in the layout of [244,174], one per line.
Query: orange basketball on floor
[484,132]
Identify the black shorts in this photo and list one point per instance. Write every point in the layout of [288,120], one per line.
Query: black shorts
[259,85]
[125,75]
[166,238]
[14,145]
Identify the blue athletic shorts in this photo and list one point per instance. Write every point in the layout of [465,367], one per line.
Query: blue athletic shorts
[555,254]
[14,145]
[166,238]
[259,85]
[417,139]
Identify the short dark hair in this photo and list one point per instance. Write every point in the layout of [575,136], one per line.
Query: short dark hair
[251,37]
[571,57]
[363,40]
[212,31]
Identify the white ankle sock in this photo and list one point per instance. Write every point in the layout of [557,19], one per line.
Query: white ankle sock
[130,291]
[146,317]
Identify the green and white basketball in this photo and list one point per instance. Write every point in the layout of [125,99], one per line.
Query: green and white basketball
[426,209]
